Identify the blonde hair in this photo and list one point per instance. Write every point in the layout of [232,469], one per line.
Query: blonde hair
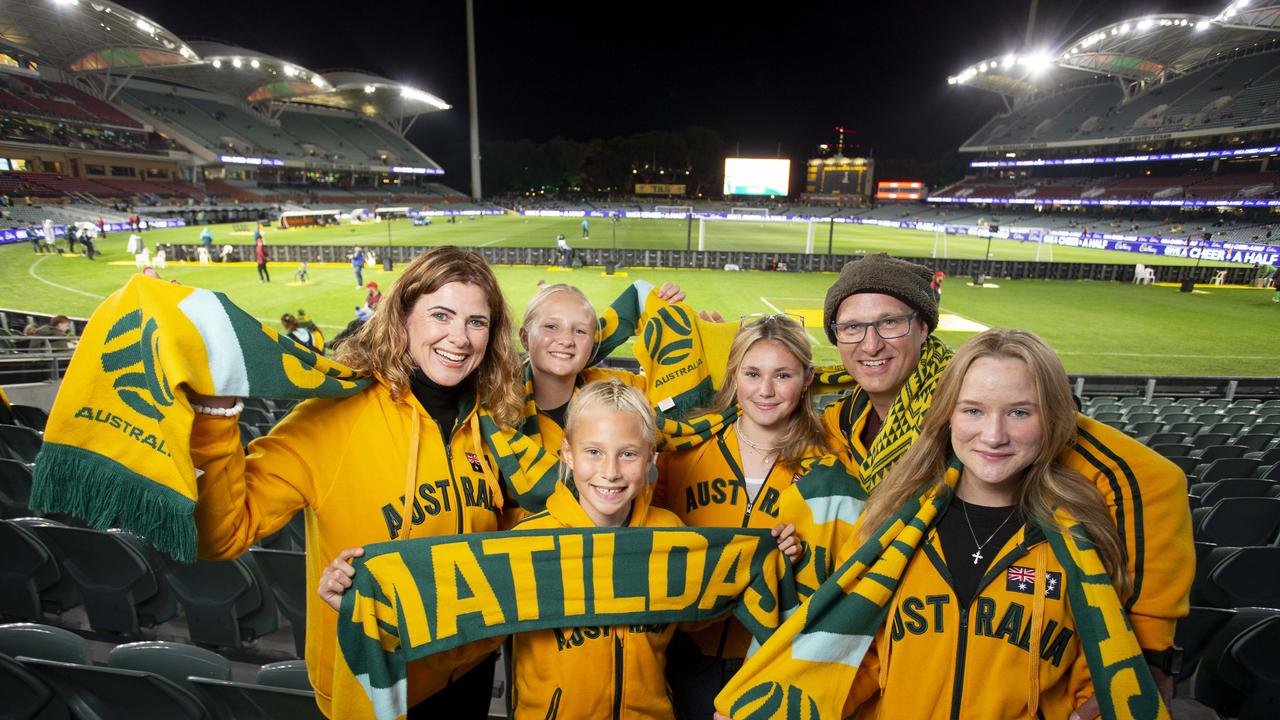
[381,345]
[541,297]
[1046,485]
[805,433]
[612,395]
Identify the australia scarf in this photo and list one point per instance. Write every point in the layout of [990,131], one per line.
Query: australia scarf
[414,598]
[116,451]
[809,664]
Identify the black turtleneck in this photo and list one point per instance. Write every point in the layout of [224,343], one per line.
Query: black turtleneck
[440,402]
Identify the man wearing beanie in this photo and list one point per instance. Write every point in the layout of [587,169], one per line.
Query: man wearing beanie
[880,314]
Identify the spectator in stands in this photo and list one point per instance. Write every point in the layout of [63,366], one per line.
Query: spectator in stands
[374,297]
[59,327]
[880,314]
[440,349]
[261,255]
[293,329]
[357,265]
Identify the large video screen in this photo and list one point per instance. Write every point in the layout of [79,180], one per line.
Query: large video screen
[756,176]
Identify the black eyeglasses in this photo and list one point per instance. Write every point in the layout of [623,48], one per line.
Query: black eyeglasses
[889,328]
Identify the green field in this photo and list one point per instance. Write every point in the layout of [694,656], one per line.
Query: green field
[747,235]
[1097,327]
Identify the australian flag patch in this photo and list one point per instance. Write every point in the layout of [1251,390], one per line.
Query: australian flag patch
[1023,580]
[475,462]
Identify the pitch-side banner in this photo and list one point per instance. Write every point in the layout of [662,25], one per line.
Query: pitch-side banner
[659,189]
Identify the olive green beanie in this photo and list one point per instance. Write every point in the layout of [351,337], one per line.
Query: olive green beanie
[879,273]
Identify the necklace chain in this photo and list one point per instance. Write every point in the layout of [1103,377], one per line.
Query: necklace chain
[977,556]
[755,446]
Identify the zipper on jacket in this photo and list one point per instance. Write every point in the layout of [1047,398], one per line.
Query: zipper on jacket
[957,683]
[453,480]
[617,673]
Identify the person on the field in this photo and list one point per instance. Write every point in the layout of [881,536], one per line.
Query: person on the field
[586,229]
[357,265]
[984,598]
[606,454]
[565,252]
[206,239]
[374,297]
[1275,284]
[736,479]
[880,314]
[440,347]
[261,255]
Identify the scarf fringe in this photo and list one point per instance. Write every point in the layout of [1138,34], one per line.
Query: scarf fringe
[106,494]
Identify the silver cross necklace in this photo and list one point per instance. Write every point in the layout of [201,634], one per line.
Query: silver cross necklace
[977,555]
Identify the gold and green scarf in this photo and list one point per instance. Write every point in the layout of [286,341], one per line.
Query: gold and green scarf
[117,450]
[415,598]
[809,664]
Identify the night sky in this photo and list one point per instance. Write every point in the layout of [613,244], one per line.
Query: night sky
[768,77]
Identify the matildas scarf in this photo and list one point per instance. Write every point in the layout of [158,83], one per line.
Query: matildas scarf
[117,445]
[414,598]
[809,664]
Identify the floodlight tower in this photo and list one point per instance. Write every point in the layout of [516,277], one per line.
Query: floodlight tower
[473,104]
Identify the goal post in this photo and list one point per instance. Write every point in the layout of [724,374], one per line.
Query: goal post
[681,210]
[748,213]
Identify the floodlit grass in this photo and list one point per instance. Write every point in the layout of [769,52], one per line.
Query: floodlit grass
[1097,327]
[749,235]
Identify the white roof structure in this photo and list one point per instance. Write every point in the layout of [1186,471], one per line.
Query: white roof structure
[369,94]
[85,36]
[246,74]
[1149,48]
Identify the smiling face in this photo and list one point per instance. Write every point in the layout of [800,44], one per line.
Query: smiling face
[771,382]
[449,332]
[996,429]
[880,366]
[610,457]
[559,339]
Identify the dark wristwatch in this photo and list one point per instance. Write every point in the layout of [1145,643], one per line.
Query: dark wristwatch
[1168,660]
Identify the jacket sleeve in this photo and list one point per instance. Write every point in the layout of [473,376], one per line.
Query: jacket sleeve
[866,682]
[1147,496]
[242,498]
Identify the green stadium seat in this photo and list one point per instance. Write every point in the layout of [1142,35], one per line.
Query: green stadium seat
[246,701]
[105,693]
[1186,463]
[1189,427]
[1246,403]
[19,443]
[123,590]
[15,488]
[248,433]
[1261,428]
[1230,428]
[1268,472]
[1194,632]
[1208,439]
[1140,416]
[1189,402]
[1129,402]
[1255,442]
[172,661]
[31,583]
[1217,452]
[1159,402]
[1266,458]
[256,416]
[1238,522]
[1110,417]
[1249,665]
[1240,577]
[1270,417]
[27,697]
[1173,415]
[226,602]
[1204,411]
[286,674]
[1234,488]
[1209,689]
[1167,438]
[43,641]
[30,416]
[1217,403]
[1143,430]
[1221,468]
[286,571]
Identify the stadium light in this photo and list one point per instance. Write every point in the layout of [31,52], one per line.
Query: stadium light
[217,64]
[290,70]
[255,64]
[1145,24]
[1202,26]
[370,89]
[1038,62]
[236,62]
[409,93]
[67,2]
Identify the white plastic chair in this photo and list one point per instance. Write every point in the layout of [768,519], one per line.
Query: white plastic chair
[1220,277]
[1143,275]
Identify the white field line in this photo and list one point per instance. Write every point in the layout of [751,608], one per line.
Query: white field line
[31,270]
[775,308]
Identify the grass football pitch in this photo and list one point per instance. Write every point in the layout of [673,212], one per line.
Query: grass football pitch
[1096,327]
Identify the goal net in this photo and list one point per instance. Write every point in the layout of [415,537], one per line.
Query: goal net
[681,210]
[749,214]
[752,233]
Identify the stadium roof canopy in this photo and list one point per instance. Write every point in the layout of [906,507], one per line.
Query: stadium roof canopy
[249,75]
[368,94]
[85,36]
[1146,48]
[1256,14]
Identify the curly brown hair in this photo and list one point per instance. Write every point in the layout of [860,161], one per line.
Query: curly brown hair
[381,345]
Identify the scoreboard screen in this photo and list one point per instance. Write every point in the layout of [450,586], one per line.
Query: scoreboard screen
[899,190]
[757,176]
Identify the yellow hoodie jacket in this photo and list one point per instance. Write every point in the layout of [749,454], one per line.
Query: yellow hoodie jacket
[934,659]
[592,672]
[704,486]
[346,464]
[1147,497]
